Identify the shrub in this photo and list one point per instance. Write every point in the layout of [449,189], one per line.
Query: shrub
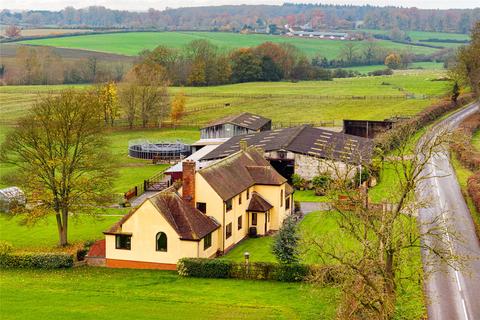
[285,244]
[36,260]
[360,178]
[382,72]
[5,248]
[298,182]
[292,272]
[320,184]
[204,268]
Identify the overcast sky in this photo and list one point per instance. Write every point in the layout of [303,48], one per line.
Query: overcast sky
[142,5]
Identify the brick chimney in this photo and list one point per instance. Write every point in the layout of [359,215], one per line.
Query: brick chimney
[243,145]
[188,185]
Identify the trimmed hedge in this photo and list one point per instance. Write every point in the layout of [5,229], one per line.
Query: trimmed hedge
[219,268]
[36,260]
[204,268]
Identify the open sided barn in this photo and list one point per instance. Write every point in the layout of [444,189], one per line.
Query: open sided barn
[235,125]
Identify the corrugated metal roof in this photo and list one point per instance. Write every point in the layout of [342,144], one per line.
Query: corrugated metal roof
[304,140]
[244,120]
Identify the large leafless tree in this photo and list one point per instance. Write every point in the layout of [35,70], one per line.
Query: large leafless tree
[62,158]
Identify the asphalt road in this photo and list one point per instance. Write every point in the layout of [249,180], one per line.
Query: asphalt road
[451,294]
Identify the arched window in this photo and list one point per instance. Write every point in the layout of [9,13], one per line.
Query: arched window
[161,241]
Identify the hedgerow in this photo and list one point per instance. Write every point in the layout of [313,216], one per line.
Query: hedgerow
[35,260]
[219,268]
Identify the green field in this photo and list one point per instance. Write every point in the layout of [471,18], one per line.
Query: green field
[415,65]
[281,101]
[86,293]
[285,103]
[410,303]
[134,42]
[425,35]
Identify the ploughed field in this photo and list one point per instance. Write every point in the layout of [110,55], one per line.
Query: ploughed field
[133,43]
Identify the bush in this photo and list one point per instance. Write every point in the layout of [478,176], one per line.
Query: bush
[285,243]
[365,175]
[382,72]
[5,248]
[320,184]
[36,260]
[204,268]
[298,182]
[292,272]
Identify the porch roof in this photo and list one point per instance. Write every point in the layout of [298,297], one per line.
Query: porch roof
[258,203]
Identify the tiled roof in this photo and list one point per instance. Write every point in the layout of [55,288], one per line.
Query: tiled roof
[288,190]
[234,174]
[245,120]
[304,140]
[188,223]
[97,250]
[258,203]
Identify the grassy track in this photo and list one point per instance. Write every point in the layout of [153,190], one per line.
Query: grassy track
[142,294]
[133,43]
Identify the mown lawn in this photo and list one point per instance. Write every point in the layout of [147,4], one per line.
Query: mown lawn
[308,196]
[323,225]
[43,235]
[87,293]
[134,42]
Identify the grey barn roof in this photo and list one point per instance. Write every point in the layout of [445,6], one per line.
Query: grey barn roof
[245,120]
[304,140]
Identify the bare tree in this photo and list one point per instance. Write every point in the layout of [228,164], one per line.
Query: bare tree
[63,162]
[349,52]
[153,101]
[385,237]
[129,101]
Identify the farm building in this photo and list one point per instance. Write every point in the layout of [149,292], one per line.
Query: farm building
[235,125]
[11,198]
[303,150]
[366,128]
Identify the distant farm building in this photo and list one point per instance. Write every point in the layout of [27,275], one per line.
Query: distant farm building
[11,198]
[317,34]
[304,150]
[366,128]
[235,125]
